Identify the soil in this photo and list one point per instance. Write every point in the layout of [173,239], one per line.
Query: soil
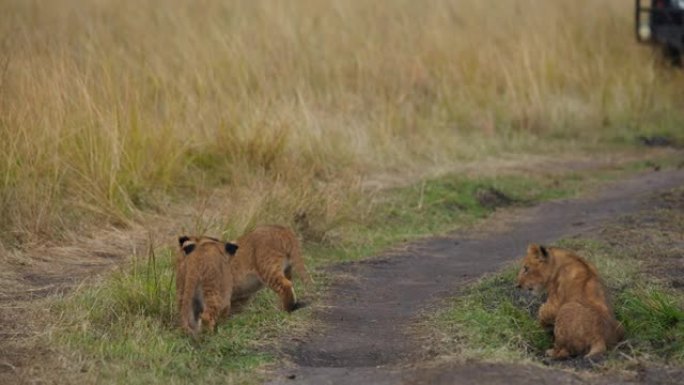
[31,277]
[364,329]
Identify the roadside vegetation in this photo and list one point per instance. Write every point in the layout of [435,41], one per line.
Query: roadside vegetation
[124,329]
[112,109]
[360,124]
[496,321]
[127,323]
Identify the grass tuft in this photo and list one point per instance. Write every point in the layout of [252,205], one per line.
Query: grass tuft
[113,108]
[654,320]
[493,320]
[127,323]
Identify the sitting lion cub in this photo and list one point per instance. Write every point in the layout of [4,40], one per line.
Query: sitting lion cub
[267,255]
[576,307]
[204,281]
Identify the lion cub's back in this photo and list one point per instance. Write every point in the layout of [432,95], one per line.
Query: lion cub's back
[584,284]
[266,248]
[274,237]
[265,241]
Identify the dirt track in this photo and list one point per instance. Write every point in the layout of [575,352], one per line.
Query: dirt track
[365,335]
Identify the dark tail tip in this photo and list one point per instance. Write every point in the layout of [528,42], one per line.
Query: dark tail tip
[197,308]
[297,305]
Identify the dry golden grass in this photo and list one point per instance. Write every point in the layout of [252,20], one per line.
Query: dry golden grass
[109,108]
[118,112]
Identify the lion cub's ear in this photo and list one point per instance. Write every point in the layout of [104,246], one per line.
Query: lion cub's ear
[187,246]
[231,248]
[533,249]
[538,251]
[182,239]
[544,252]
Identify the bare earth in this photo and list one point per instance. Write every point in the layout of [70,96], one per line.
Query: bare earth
[364,333]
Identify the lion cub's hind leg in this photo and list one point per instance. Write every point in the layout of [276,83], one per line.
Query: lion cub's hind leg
[276,278]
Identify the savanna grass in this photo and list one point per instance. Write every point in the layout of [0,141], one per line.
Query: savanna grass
[130,317]
[113,108]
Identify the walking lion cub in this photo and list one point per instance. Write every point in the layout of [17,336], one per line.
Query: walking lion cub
[211,275]
[267,255]
[204,281]
[576,307]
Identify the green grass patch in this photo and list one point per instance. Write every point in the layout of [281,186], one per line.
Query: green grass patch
[652,313]
[125,326]
[435,207]
[494,320]
[654,321]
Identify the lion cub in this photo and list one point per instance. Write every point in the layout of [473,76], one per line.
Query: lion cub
[204,281]
[576,307]
[267,255]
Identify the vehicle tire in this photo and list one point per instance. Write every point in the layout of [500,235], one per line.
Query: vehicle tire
[673,55]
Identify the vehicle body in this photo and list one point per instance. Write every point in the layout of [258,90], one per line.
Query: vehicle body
[661,22]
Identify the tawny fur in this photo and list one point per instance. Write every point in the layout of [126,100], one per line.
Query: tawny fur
[204,282]
[267,256]
[576,308]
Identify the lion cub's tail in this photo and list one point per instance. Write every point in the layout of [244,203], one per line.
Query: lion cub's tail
[193,300]
[298,263]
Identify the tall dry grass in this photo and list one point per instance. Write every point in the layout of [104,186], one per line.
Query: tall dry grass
[109,107]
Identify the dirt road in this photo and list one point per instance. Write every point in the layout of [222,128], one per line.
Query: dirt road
[364,334]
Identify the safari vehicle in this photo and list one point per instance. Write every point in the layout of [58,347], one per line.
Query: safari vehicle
[660,23]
